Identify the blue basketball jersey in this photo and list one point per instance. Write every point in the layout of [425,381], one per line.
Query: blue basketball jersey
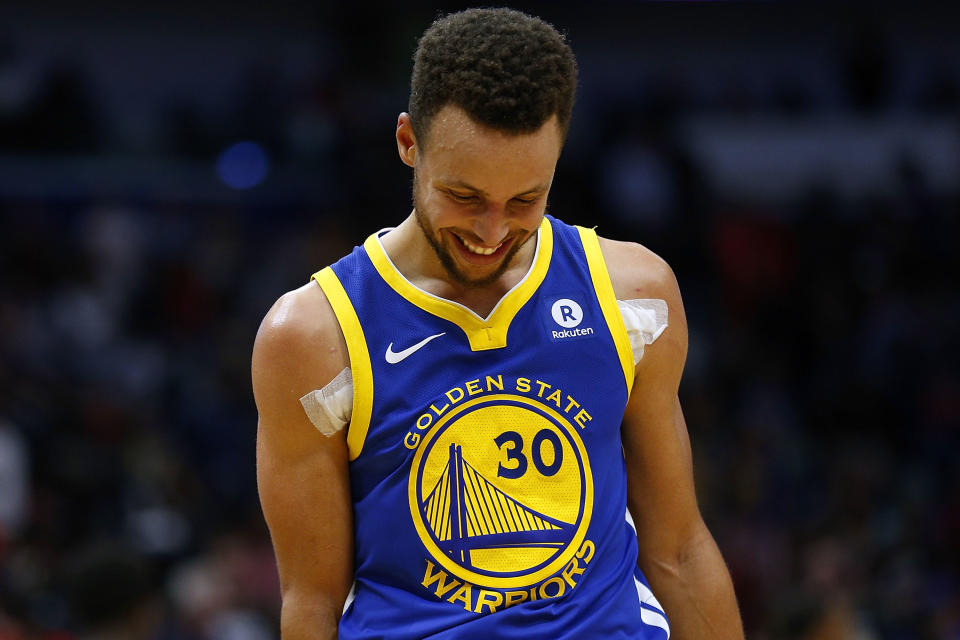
[487,475]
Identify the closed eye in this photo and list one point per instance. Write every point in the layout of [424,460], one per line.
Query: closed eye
[460,197]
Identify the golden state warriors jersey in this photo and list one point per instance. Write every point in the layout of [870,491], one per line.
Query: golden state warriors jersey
[486,468]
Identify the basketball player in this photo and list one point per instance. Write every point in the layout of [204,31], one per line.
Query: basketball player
[469,426]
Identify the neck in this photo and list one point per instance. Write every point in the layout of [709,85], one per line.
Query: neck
[413,256]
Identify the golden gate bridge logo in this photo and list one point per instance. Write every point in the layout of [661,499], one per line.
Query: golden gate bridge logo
[501,491]
[467,512]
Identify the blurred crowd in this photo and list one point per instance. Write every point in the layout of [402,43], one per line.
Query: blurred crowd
[822,390]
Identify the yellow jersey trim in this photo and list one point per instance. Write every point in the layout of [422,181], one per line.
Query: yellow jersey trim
[608,301]
[483,333]
[360,367]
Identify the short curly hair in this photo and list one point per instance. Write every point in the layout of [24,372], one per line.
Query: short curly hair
[506,69]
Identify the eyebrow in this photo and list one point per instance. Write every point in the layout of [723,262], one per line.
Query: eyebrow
[538,189]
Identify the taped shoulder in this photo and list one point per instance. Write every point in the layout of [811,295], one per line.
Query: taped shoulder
[645,319]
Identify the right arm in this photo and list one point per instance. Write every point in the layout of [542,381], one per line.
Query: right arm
[302,475]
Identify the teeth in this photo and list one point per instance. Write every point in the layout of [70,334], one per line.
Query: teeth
[479,250]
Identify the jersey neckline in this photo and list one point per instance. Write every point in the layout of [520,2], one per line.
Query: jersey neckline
[482,333]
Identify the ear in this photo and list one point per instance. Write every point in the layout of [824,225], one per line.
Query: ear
[406,139]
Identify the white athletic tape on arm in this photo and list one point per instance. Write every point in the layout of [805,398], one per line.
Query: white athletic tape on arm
[330,408]
[645,320]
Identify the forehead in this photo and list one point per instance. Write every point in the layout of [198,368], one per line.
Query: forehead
[458,147]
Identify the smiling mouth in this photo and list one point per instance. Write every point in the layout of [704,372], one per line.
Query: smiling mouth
[476,249]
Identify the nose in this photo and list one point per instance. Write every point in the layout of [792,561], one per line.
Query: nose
[491,225]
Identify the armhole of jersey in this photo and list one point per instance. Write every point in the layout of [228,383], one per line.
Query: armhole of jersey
[359,358]
[608,302]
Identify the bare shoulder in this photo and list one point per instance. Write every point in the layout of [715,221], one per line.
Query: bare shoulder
[299,346]
[637,272]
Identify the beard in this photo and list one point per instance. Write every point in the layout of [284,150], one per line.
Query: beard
[446,258]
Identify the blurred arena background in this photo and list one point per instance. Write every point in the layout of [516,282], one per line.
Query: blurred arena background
[167,169]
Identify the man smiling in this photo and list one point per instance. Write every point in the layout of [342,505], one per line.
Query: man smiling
[479,197]
[472,419]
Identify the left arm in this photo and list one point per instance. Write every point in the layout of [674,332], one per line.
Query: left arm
[676,551]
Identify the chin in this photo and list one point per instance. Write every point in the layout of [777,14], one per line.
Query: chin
[497,266]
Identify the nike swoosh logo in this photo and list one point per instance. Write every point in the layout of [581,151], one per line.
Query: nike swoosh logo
[393,357]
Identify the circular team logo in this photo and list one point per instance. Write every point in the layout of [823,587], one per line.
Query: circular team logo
[501,491]
[566,313]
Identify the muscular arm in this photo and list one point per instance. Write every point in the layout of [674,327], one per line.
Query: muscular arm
[301,474]
[676,551]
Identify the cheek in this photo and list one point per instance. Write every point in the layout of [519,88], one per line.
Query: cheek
[438,212]
[531,217]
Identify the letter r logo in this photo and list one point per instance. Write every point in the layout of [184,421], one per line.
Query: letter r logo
[566,313]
